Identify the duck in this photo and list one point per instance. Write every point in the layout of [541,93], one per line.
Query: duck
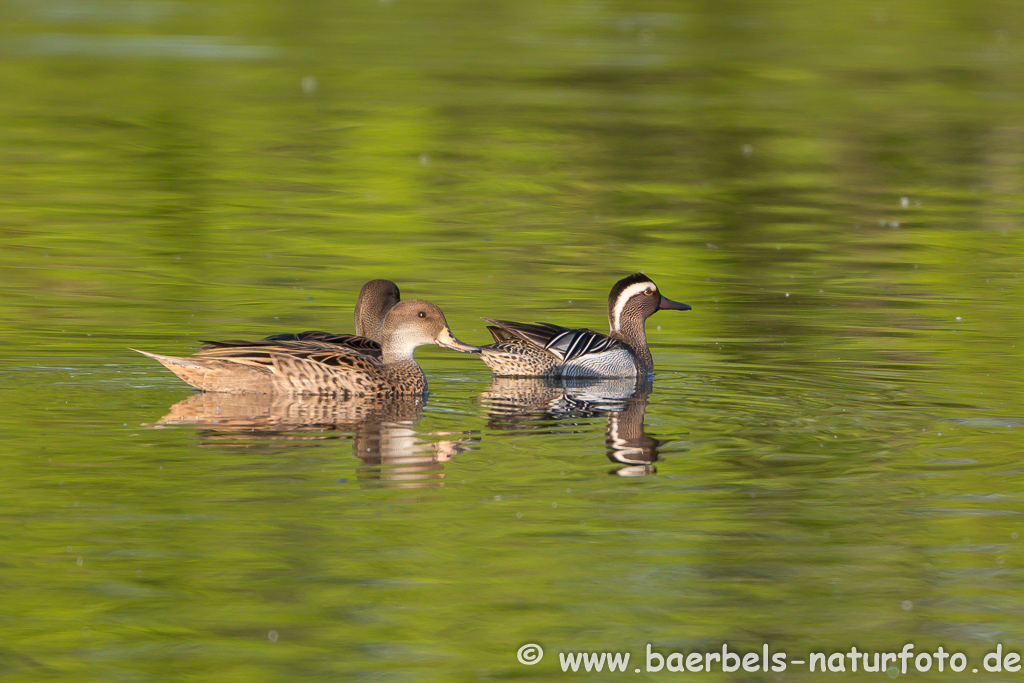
[310,366]
[376,298]
[547,350]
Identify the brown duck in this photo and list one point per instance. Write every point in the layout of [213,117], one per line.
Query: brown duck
[307,366]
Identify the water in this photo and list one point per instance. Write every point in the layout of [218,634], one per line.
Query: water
[829,455]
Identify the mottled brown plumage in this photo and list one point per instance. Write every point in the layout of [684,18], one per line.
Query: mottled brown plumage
[316,367]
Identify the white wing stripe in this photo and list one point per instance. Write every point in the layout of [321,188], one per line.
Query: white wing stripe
[572,344]
[557,338]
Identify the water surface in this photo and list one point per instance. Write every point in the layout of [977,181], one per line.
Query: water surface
[829,454]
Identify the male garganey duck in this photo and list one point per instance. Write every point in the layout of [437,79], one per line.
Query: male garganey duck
[318,367]
[545,350]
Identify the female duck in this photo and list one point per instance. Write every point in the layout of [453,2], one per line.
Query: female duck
[316,367]
[545,350]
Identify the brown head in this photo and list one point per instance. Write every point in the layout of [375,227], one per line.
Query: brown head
[633,300]
[376,298]
[413,323]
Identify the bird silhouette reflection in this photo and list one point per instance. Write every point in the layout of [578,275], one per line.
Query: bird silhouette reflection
[545,404]
[383,431]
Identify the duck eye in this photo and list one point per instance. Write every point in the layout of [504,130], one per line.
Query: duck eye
[648,291]
[422,314]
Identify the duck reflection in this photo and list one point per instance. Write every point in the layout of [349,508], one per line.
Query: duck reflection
[537,403]
[383,432]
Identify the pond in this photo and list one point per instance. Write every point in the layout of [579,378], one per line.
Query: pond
[828,457]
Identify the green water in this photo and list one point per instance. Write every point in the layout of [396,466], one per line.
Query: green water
[830,454]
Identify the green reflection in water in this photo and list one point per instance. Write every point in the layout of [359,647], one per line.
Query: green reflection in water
[835,189]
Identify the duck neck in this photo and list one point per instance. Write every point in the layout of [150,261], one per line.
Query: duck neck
[394,352]
[632,332]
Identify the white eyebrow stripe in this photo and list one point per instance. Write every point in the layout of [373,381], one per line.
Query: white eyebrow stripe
[620,303]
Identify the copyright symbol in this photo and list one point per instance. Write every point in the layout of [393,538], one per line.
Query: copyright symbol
[530,654]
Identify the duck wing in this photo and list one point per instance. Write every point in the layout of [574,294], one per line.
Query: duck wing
[363,345]
[563,343]
[268,351]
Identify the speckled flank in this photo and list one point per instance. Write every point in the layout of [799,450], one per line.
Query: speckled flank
[518,358]
[521,358]
[281,369]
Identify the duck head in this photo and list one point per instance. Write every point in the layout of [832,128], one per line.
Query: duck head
[376,298]
[415,322]
[635,298]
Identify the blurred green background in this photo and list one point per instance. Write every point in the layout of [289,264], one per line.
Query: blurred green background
[836,188]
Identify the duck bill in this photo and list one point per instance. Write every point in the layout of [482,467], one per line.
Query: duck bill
[669,305]
[448,341]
